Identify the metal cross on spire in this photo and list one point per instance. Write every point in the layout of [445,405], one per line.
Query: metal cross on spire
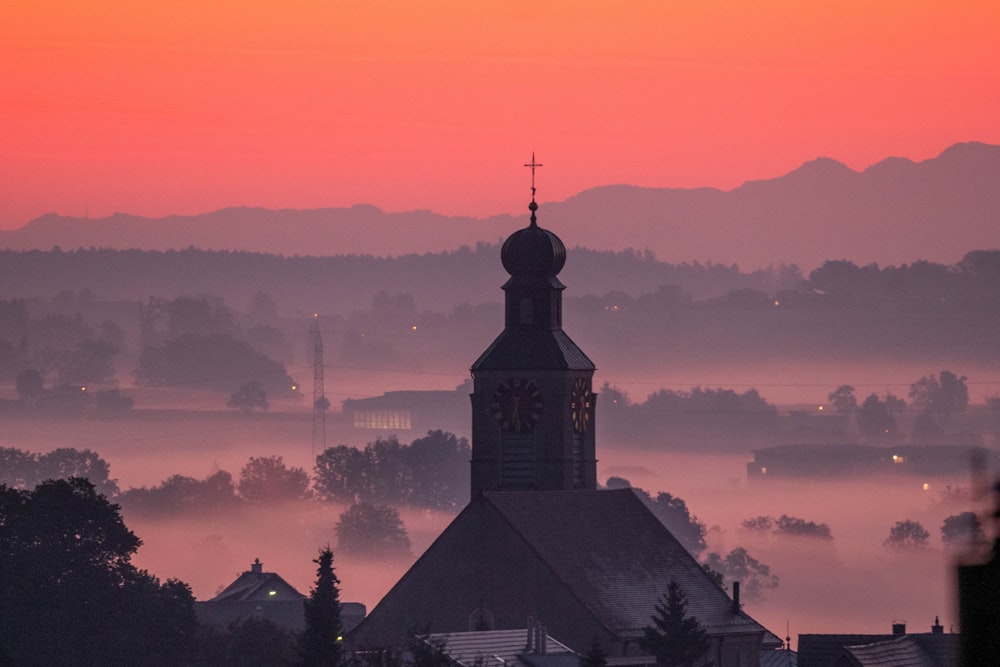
[533,165]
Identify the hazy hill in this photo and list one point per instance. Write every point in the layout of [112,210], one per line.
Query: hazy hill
[890,213]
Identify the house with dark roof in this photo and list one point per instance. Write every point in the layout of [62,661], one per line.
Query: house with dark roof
[899,649]
[538,538]
[260,594]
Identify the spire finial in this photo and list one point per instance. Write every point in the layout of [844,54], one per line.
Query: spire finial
[533,206]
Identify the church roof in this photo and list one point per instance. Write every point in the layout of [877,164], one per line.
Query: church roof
[617,557]
[579,560]
[518,349]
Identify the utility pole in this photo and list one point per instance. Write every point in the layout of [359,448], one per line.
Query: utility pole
[320,402]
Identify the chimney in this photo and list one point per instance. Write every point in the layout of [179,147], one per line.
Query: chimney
[736,597]
[899,628]
[936,629]
[256,567]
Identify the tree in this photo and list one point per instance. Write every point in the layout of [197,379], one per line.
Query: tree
[842,399]
[343,473]
[69,593]
[215,361]
[91,362]
[874,418]
[321,645]
[738,565]
[267,480]
[674,638]
[791,525]
[248,642]
[439,470]
[250,395]
[179,494]
[907,535]
[942,395]
[66,462]
[962,530]
[376,530]
[938,398]
[673,513]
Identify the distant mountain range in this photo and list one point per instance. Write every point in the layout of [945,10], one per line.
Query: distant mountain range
[897,211]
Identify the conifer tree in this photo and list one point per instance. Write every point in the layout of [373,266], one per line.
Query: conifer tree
[595,656]
[321,641]
[675,639]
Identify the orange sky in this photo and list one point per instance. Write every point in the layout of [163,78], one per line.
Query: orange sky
[160,107]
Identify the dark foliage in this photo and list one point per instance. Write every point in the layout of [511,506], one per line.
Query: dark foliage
[675,639]
[431,472]
[962,530]
[672,512]
[375,530]
[216,361]
[250,395]
[907,535]
[875,419]
[250,642]
[266,479]
[321,643]
[69,593]
[738,565]
[179,495]
[25,470]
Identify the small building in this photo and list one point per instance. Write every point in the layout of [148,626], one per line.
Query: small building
[526,647]
[260,594]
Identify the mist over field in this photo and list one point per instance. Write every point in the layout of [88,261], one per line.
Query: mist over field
[852,583]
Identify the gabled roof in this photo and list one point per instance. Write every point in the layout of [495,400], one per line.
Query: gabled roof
[617,558]
[817,650]
[923,650]
[258,586]
[778,658]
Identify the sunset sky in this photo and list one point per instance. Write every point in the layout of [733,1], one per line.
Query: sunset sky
[160,107]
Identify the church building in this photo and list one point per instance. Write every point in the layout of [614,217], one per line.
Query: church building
[538,539]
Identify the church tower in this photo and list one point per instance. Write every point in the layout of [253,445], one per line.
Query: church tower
[532,401]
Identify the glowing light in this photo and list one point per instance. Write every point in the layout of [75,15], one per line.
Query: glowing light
[896,458]
[820,408]
[272,593]
[777,303]
[763,470]
[83,389]
[413,328]
[927,487]
[295,387]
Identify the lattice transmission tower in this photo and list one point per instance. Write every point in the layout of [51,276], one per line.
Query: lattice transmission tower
[320,402]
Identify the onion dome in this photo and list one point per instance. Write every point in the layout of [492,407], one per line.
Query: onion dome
[533,251]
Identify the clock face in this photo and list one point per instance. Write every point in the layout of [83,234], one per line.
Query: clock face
[517,405]
[581,405]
